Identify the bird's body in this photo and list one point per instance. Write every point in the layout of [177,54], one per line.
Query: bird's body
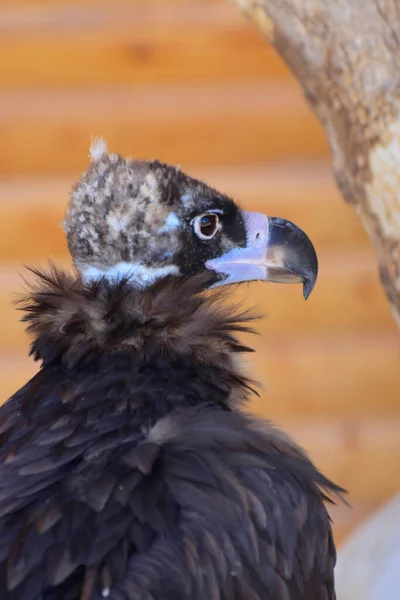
[128,469]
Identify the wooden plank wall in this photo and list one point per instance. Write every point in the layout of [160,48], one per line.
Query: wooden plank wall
[191,82]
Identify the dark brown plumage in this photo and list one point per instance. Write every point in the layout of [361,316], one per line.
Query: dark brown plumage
[128,468]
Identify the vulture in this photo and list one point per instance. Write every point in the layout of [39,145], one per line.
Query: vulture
[129,466]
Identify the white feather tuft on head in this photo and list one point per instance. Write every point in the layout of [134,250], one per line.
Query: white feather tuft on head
[98,148]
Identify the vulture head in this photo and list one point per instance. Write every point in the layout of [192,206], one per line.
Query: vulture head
[145,220]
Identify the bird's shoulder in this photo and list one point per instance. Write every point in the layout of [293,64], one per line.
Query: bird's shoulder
[251,495]
[85,495]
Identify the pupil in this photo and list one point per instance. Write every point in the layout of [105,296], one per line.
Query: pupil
[207,225]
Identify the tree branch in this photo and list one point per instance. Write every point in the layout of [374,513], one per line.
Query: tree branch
[346,56]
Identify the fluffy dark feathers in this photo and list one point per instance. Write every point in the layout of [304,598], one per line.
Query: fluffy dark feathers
[76,321]
[124,473]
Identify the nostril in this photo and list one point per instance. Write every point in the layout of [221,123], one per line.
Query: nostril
[257,236]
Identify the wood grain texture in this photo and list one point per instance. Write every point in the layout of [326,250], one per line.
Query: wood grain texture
[38,5]
[135,43]
[203,124]
[328,375]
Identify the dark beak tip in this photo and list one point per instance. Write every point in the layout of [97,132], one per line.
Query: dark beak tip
[309,283]
[307,289]
[301,256]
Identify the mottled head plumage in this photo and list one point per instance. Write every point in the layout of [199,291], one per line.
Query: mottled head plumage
[115,215]
[146,220]
[127,215]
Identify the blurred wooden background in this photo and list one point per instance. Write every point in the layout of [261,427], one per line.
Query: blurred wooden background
[191,82]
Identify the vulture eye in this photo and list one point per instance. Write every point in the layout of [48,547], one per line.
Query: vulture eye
[206,225]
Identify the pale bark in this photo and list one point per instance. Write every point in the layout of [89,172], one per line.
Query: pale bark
[346,56]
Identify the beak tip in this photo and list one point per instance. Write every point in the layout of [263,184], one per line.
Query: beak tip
[309,284]
[300,257]
[307,289]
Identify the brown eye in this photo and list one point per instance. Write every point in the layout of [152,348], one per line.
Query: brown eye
[206,225]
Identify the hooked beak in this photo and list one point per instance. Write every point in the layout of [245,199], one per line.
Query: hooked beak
[276,250]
